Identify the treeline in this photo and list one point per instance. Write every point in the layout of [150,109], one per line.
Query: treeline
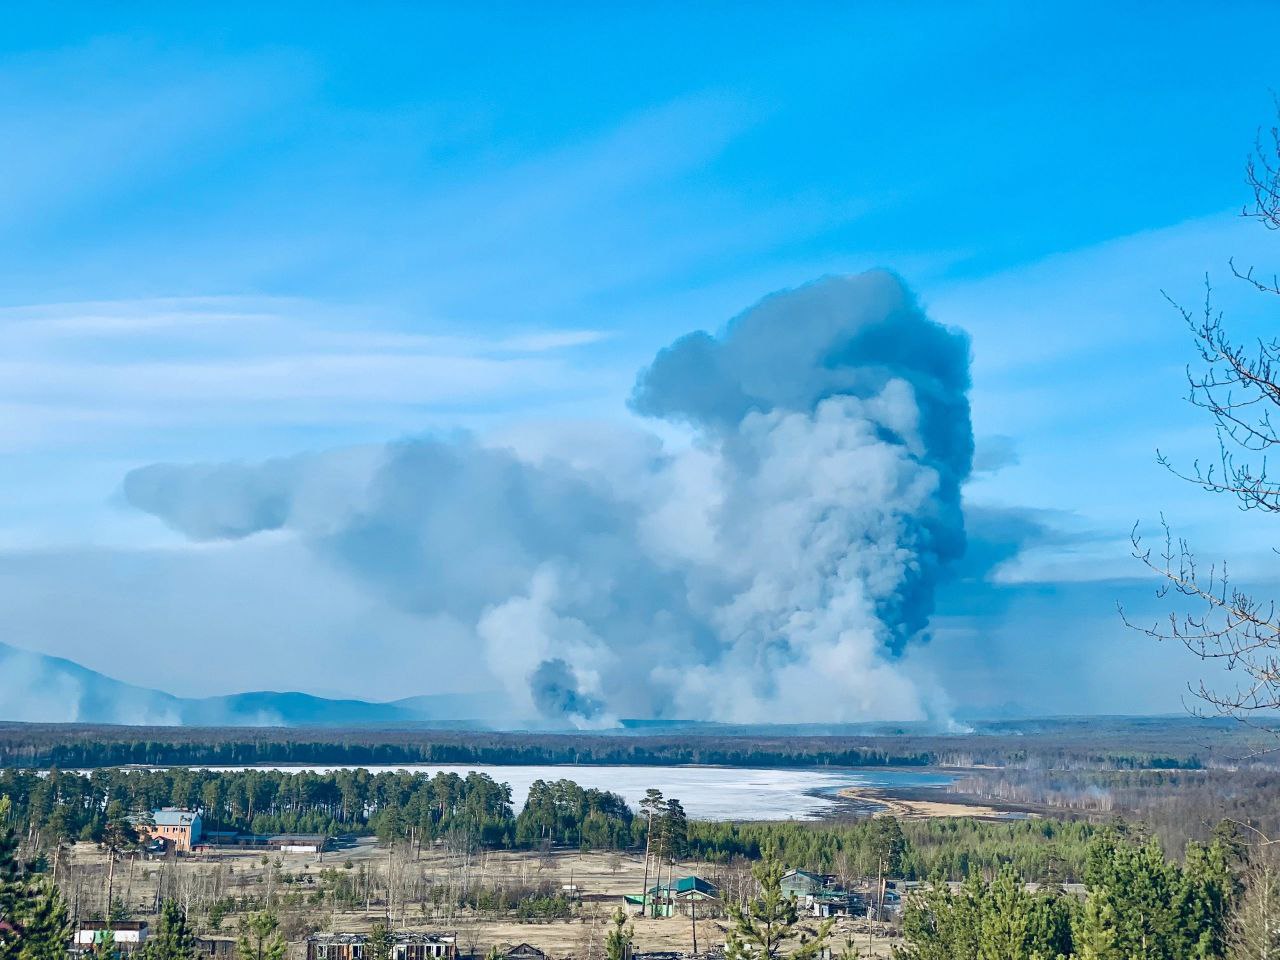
[1175,805]
[477,810]
[1037,850]
[88,747]
[1139,905]
[1101,744]
[473,809]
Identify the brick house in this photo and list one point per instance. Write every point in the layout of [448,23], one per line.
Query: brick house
[179,829]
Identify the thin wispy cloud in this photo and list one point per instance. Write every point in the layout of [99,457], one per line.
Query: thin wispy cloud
[198,360]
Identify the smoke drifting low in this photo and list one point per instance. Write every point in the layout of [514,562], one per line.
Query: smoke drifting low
[775,568]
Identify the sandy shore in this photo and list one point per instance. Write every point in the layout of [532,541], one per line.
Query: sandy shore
[919,808]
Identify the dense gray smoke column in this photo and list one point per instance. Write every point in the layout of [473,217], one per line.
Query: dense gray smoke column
[864,369]
[773,568]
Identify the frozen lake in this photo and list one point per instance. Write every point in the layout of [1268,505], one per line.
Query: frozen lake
[708,793]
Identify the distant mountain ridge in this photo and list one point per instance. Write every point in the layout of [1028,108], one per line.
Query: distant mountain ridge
[38,688]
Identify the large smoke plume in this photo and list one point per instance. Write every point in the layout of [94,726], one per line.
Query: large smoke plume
[774,567]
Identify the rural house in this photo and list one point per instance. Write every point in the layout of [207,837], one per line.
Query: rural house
[179,829]
[404,946]
[820,895]
[686,896]
[424,946]
[802,883]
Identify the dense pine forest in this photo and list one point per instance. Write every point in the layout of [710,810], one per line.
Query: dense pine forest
[69,806]
[1089,743]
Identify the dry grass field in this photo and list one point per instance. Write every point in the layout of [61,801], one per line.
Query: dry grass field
[292,883]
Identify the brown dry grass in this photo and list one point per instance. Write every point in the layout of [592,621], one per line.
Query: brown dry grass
[603,878]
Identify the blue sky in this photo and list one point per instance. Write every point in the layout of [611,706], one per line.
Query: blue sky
[237,234]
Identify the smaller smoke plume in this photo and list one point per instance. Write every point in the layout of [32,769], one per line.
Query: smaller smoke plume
[774,568]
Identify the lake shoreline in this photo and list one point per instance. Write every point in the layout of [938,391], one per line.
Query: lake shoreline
[932,802]
[708,792]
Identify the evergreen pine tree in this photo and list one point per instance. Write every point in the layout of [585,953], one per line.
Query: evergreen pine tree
[1141,905]
[33,916]
[940,925]
[1203,902]
[380,941]
[1005,919]
[45,927]
[260,938]
[650,807]
[996,921]
[104,944]
[617,945]
[1096,937]
[768,924]
[1052,917]
[15,896]
[172,939]
[1019,925]
[675,830]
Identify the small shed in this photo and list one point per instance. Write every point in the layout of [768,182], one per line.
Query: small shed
[298,842]
[126,935]
[216,948]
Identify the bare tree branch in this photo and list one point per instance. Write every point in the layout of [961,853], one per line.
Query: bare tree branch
[1238,384]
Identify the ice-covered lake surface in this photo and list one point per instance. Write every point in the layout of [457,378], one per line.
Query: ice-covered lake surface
[707,793]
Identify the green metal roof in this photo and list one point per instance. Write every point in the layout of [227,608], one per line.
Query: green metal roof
[687,885]
[802,873]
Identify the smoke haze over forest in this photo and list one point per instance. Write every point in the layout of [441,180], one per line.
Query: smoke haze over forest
[817,376]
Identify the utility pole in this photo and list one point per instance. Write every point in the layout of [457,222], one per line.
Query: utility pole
[693,914]
[873,912]
[390,844]
[111,878]
[75,907]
